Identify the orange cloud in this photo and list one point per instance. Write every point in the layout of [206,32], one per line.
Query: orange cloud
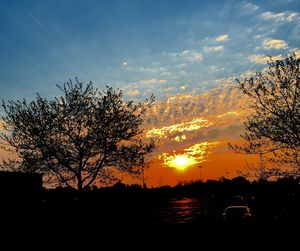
[165,131]
[189,156]
[192,130]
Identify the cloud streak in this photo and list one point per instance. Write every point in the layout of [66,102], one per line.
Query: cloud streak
[280,16]
[189,55]
[222,38]
[214,48]
[274,44]
[133,92]
[262,59]
[35,19]
[249,7]
[168,131]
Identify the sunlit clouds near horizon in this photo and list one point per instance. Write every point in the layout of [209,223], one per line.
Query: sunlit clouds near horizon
[189,129]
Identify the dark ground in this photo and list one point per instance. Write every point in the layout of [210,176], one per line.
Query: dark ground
[192,213]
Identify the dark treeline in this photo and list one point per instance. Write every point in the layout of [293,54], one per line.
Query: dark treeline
[193,203]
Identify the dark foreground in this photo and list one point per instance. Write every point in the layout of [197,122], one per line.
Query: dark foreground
[175,214]
[148,210]
[188,221]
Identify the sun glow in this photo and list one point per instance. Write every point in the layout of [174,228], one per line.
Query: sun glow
[181,162]
[192,155]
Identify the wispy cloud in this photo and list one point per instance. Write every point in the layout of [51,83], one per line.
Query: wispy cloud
[35,19]
[151,70]
[145,69]
[183,65]
[213,48]
[133,92]
[222,38]
[187,110]
[143,88]
[274,44]
[279,17]
[152,81]
[190,55]
[249,7]
[168,131]
[262,59]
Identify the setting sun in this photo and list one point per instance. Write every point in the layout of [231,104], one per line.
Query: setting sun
[194,154]
[181,162]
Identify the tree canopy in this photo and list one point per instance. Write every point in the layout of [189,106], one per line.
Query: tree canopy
[74,139]
[273,125]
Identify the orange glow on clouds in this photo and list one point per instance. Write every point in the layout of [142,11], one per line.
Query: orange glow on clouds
[231,113]
[190,156]
[180,162]
[165,131]
[192,130]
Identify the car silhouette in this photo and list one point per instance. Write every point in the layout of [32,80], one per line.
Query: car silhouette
[237,214]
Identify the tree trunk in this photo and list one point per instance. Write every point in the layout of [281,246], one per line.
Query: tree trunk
[79,187]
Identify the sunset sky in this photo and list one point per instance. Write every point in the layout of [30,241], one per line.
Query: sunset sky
[186,52]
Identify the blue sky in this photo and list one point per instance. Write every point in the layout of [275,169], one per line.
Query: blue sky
[162,47]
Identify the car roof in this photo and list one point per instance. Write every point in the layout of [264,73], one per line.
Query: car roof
[237,207]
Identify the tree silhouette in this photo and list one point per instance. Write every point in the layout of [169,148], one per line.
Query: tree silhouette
[76,138]
[273,125]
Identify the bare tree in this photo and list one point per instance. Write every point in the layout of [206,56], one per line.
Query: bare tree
[74,139]
[273,125]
